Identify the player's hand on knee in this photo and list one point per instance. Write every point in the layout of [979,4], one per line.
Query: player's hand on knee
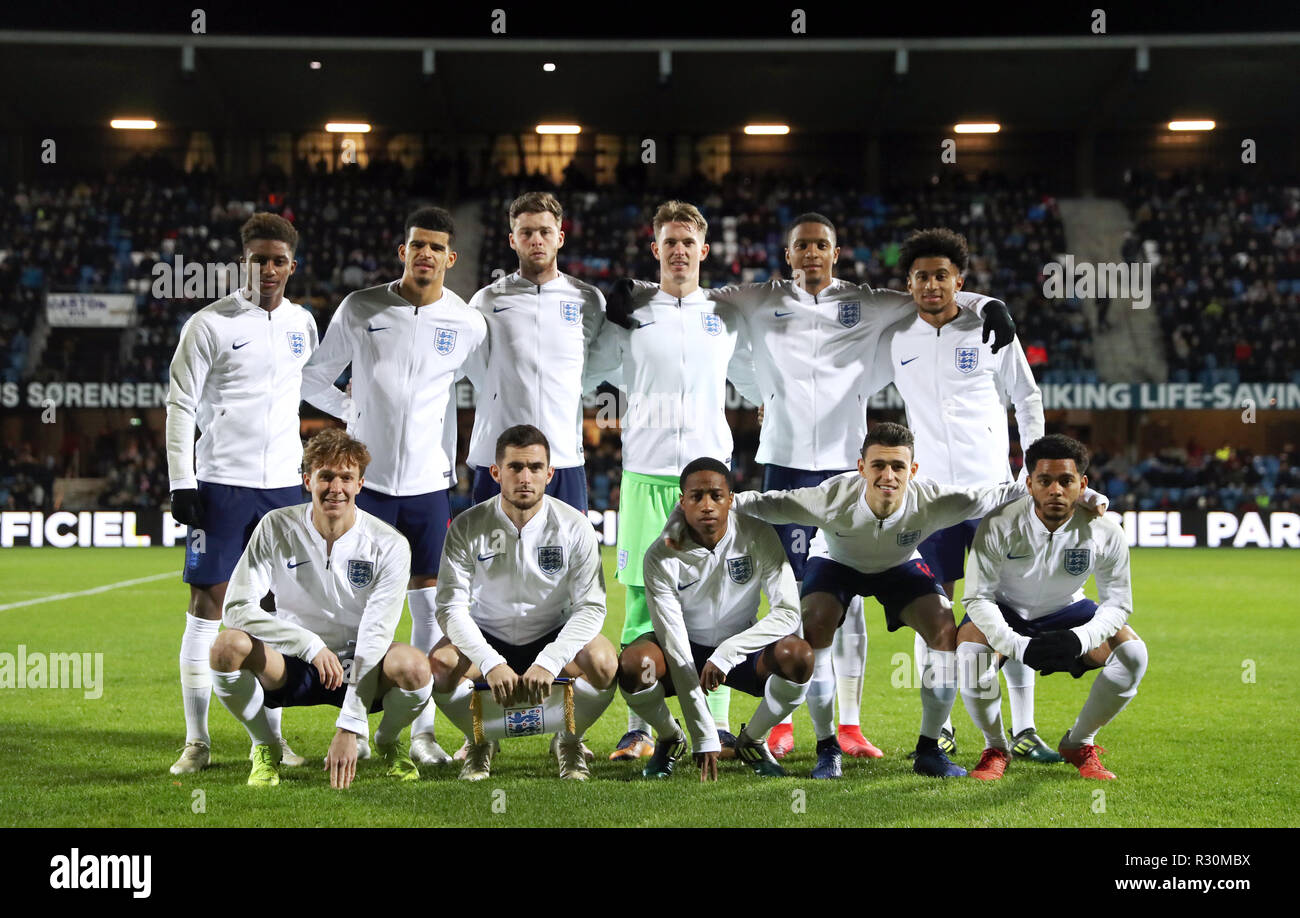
[1053,652]
[711,677]
[708,762]
[187,507]
[536,683]
[341,760]
[503,681]
[330,669]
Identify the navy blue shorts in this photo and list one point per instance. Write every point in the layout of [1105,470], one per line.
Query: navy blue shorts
[780,478]
[894,588]
[743,676]
[302,688]
[521,656]
[945,550]
[1072,616]
[230,514]
[422,518]
[568,485]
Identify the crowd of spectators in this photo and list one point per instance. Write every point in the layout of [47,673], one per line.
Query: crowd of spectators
[1191,477]
[1226,275]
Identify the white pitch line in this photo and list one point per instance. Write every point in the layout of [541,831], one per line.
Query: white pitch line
[98,589]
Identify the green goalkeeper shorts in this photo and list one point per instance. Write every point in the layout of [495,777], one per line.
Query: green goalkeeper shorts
[644,503]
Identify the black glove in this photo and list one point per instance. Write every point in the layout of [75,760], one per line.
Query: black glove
[1053,652]
[1079,667]
[618,305]
[187,507]
[999,324]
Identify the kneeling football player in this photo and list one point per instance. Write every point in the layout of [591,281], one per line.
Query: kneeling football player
[521,600]
[1024,599]
[703,593]
[339,578]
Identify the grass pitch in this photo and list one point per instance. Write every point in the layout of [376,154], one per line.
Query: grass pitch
[1207,742]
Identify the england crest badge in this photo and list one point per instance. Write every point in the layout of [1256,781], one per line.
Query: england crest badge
[360,573]
[571,313]
[850,314]
[1077,561]
[524,721]
[740,569]
[297,343]
[622,559]
[909,538]
[967,359]
[550,558]
[444,340]
[712,323]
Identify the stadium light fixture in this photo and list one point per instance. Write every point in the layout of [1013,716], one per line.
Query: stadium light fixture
[1191,125]
[133,124]
[347,127]
[975,127]
[314,65]
[559,129]
[548,67]
[767,129]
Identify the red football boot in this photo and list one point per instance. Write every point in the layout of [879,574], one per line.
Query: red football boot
[780,740]
[993,763]
[1085,759]
[855,744]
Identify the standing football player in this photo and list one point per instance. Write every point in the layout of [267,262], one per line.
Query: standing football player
[338,575]
[812,338]
[542,324]
[675,349]
[408,342]
[956,391]
[704,596]
[521,598]
[1024,599]
[236,377]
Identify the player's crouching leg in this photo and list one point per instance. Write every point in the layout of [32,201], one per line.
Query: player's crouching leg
[789,665]
[407,683]
[594,670]
[1123,662]
[236,657]
[641,675]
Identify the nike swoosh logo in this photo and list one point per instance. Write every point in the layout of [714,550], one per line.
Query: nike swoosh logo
[1011,557]
[371,328]
[782,315]
[486,557]
[238,344]
[682,586]
[293,564]
[644,324]
[502,308]
[910,359]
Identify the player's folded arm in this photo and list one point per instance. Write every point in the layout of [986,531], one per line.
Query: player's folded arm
[586,582]
[670,629]
[980,598]
[451,600]
[1114,591]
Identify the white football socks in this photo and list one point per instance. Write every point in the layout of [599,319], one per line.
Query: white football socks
[401,706]
[780,698]
[636,722]
[273,716]
[983,698]
[821,694]
[196,675]
[938,690]
[921,653]
[1114,688]
[455,705]
[424,634]
[242,695]
[850,660]
[1020,693]
[651,709]
[589,703]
